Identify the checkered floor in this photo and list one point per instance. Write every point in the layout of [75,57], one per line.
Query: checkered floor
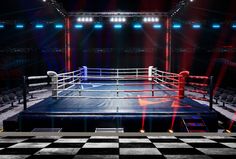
[114,147]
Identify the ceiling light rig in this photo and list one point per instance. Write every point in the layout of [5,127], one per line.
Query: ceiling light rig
[57,6]
[85,19]
[179,7]
[117,19]
[150,19]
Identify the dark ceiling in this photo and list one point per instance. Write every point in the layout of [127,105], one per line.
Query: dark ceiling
[26,9]
[34,9]
[118,5]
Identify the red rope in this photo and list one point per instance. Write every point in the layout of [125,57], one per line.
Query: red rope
[197,98]
[197,91]
[199,77]
[197,84]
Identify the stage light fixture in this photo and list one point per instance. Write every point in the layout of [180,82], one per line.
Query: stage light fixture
[191,0]
[216,26]
[59,26]
[20,26]
[157,26]
[227,131]
[98,26]
[234,26]
[44,0]
[176,26]
[137,26]
[142,131]
[39,26]
[79,26]
[196,26]
[170,131]
[117,19]
[1,26]
[150,19]
[85,19]
[117,26]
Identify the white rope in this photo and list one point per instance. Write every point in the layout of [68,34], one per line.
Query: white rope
[38,91]
[38,84]
[121,69]
[113,84]
[37,77]
[144,90]
[115,97]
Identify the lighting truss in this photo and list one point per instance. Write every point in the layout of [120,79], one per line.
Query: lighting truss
[58,7]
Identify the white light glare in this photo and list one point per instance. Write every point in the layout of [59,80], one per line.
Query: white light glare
[85,19]
[150,19]
[118,19]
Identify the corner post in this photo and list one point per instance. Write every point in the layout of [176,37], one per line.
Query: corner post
[182,79]
[54,80]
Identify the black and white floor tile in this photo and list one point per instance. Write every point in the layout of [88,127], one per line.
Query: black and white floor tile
[114,147]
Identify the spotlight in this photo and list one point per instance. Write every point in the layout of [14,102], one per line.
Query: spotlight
[234,26]
[44,0]
[145,19]
[85,19]
[1,26]
[227,131]
[196,26]
[19,26]
[118,19]
[59,26]
[39,26]
[137,26]
[191,0]
[177,26]
[157,26]
[79,26]
[98,26]
[142,131]
[170,131]
[117,26]
[150,19]
[216,26]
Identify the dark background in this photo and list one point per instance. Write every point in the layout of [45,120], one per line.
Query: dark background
[33,52]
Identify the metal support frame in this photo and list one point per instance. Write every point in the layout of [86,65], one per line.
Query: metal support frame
[211,88]
[111,14]
[167,15]
[67,44]
[168,45]
[25,92]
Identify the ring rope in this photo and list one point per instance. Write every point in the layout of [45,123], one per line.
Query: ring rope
[117,84]
[196,98]
[197,91]
[37,77]
[115,97]
[199,77]
[120,69]
[144,90]
[38,84]
[171,81]
[197,84]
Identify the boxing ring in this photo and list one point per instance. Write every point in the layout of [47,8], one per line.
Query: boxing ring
[131,99]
